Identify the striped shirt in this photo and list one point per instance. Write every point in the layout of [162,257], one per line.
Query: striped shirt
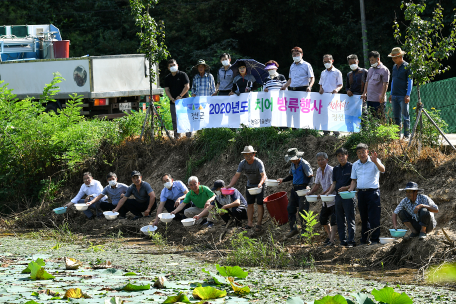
[203,86]
[408,206]
[274,83]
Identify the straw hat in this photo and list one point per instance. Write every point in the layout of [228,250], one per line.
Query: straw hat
[248,149]
[397,51]
[293,154]
[411,186]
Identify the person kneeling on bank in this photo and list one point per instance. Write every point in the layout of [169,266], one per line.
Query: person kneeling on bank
[227,206]
[416,211]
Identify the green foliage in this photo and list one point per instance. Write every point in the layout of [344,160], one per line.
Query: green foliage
[238,288]
[228,271]
[389,296]
[442,273]
[311,220]
[337,299]
[208,293]
[386,295]
[430,136]
[217,279]
[39,262]
[132,287]
[180,297]
[38,273]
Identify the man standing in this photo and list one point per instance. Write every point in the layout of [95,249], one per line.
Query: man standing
[114,191]
[356,78]
[324,181]
[401,88]
[91,188]
[301,174]
[201,197]
[301,76]
[224,76]
[365,176]
[171,196]
[144,200]
[376,85]
[416,211]
[203,82]
[345,208]
[177,85]
[253,168]
[330,81]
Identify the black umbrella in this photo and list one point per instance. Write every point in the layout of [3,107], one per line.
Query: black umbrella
[253,67]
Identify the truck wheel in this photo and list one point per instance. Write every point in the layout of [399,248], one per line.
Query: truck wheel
[52,106]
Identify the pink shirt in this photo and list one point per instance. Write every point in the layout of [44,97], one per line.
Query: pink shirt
[325,180]
[376,77]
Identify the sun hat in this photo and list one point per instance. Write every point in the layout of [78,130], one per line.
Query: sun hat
[411,186]
[248,149]
[293,154]
[397,51]
[135,173]
[218,184]
[201,62]
[271,64]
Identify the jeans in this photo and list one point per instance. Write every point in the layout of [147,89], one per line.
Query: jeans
[95,207]
[370,212]
[294,203]
[424,217]
[137,208]
[345,216]
[376,108]
[401,108]
[238,214]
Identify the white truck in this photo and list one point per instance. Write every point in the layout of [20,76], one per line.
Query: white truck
[110,85]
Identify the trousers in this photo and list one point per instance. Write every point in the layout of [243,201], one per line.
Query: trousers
[345,217]
[297,202]
[370,212]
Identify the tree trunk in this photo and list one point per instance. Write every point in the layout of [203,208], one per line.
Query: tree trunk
[364,33]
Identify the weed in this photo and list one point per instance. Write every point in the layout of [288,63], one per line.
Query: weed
[308,261]
[95,248]
[311,220]
[158,240]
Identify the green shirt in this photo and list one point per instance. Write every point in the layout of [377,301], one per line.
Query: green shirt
[199,200]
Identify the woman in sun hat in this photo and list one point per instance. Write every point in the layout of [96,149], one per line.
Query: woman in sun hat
[275,81]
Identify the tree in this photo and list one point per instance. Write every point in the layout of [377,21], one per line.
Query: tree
[426,46]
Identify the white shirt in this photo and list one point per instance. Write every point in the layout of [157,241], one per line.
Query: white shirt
[95,188]
[329,80]
[367,175]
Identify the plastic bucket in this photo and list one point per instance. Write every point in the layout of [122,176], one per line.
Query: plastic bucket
[277,206]
[61,49]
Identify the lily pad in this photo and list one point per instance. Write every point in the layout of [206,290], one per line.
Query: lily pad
[38,261]
[132,287]
[75,293]
[228,271]
[72,264]
[337,299]
[38,273]
[388,295]
[208,293]
[238,288]
[217,279]
[180,297]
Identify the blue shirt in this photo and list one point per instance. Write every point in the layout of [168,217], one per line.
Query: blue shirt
[176,191]
[142,195]
[225,79]
[203,86]
[300,74]
[367,175]
[301,174]
[342,175]
[409,207]
[228,199]
[114,193]
[356,80]
[401,84]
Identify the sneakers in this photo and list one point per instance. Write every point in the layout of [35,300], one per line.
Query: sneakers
[291,234]
[374,243]
[204,221]
[209,224]
[412,235]
[343,244]
[326,242]
[351,244]
[329,244]
[423,235]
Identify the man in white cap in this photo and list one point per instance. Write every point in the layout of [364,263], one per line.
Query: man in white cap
[253,168]
[416,211]
[401,88]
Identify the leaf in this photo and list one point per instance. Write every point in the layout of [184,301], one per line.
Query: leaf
[295,300]
[442,273]
[228,271]
[181,297]
[31,302]
[72,264]
[207,293]
[75,293]
[132,287]
[114,300]
[362,298]
[130,274]
[40,262]
[238,288]
[38,273]
[217,279]
[389,296]
[337,299]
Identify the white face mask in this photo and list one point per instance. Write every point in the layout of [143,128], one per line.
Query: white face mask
[112,183]
[353,66]
[328,65]
[374,65]
[272,72]
[297,59]
[168,185]
[225,62]
[218,192]
[173,69]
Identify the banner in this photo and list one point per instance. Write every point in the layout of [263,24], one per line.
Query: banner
[329,112]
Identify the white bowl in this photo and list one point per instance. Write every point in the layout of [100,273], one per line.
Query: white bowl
[81,207]
[328,198]
[166,217]
[386,240]
[271,183]
[302,192]
[149,228]
[188,222]
[109,215]
[254,191]
[312,198]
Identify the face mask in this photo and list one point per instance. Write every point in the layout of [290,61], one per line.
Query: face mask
[225,62]
[297,59]
[218,192]
[374,65]
[272,72]
[173,69]
[168,185]
[328,65]
[112,183]
[353,66]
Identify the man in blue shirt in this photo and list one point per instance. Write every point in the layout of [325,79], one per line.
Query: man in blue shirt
[401,88]
[345,208]
[225,76]
[365,176]
[171,196]
[301,174]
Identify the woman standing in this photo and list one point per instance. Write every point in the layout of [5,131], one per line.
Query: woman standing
[242,82]
[275,80]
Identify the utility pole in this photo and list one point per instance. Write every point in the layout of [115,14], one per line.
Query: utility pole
[364,34]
